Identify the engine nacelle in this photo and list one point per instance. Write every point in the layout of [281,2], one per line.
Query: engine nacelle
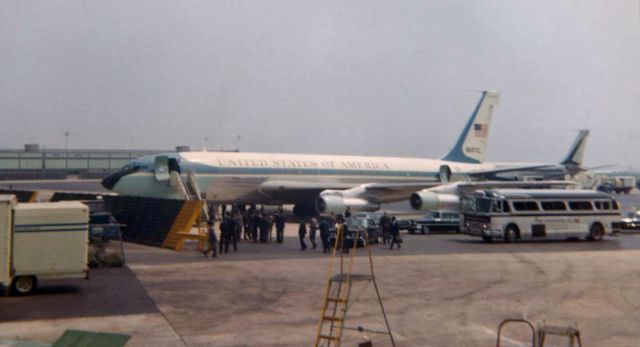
[429,201]
[338,204]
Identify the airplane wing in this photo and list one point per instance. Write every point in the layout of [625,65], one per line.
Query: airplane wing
[283,188]
[391,192]
[299,191]
[493,172]
[513,184]
[375,192]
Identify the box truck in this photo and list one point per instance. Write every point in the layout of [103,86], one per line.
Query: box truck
[40,241]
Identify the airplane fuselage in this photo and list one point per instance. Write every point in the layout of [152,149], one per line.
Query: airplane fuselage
[232,177]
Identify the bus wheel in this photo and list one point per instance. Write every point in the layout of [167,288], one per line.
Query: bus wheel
[24,285]
[510,234]
[487,238]
[596,233]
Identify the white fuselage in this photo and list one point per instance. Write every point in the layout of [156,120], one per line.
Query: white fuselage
[232,177]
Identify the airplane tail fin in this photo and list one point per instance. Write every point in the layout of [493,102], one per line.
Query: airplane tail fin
[472,144]
[576,153]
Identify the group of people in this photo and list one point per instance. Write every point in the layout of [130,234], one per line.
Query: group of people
[257,225]
[327,227]
[390,230]
[250,224]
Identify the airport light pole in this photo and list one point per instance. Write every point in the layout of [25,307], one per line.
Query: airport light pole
[238,143]
[66,149]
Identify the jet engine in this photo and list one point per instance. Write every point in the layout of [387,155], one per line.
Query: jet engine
[429,201]
[338,204]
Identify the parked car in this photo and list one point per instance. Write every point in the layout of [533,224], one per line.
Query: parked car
[630,221]
[439,221]
[407,224]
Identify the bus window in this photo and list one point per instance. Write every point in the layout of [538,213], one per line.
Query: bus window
[553,206]
[602,205]
[505,206]
[598,205]
[614,204]
[580,205]
[525,206]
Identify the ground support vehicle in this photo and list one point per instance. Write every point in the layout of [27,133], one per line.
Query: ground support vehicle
[623,184]
[40,241]
[617,184]
[368,222]
[535,214]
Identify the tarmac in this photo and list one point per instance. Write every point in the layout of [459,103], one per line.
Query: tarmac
[438,290]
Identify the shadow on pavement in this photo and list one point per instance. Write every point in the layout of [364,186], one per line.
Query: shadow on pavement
[110,291]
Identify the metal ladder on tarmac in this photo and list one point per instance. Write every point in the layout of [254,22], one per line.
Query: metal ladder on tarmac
[338,291]
[539,335]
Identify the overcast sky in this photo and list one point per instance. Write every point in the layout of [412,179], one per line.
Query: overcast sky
[367,77]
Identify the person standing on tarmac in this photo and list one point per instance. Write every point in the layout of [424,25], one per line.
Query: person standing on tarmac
[347,213]
[395,232]
[224,234]
[246,216]
[270,220]
[302,232]
[385,224]
[264,233]
[279,221]
[313,226]
[213,240]
[231,235]
[324,235]
[256,223]
[237,219]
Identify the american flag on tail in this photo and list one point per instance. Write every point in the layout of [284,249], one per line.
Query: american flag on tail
[481,130]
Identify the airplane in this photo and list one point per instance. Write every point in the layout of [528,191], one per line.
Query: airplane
[316,183]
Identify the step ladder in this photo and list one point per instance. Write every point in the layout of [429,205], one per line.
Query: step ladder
[538,336]
[338,291]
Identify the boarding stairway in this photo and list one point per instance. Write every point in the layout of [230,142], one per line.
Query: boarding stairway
[338,293]
[190,189]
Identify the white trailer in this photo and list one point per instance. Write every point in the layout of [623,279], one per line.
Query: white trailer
[42,241]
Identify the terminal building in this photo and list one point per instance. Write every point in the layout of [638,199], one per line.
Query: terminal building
[34,163]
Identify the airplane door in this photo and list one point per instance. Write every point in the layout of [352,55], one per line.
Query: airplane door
[161,168]
[444,173]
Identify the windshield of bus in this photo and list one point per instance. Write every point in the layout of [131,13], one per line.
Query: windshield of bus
[476,205]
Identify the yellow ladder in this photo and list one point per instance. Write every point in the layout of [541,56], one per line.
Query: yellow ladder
[338,290]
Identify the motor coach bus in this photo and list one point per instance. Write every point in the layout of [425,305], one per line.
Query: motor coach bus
[537,214]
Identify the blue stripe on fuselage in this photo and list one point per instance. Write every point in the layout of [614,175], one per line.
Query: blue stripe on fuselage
[206,169]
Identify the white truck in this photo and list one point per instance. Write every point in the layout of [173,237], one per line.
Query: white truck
[41,241]
[623,184]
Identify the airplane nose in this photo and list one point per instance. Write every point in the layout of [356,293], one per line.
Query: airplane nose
[110,181]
